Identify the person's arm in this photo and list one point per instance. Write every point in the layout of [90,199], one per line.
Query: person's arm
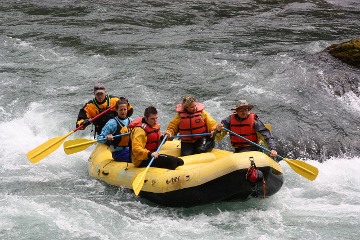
[173,126]
[261,128]
[82,116]
[138,142]
[220,133]
[109,128]
[210,121]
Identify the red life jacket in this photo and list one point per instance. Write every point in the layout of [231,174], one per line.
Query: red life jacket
[244,128]
[152,134]
[191,123]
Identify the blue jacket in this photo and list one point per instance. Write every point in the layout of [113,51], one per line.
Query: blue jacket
[110,128]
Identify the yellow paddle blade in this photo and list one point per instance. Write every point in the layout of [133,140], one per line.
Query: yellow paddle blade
[268,126]
[46,148]
[304,169]
[138,183]
[77,145]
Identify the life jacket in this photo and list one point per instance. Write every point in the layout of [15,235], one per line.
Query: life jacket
[152,133]
[244,128]
[191,123]
[122,141]
[93,108]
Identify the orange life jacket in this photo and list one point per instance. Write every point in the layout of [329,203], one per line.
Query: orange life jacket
[122,141]
[152,133]
[244,128]
[191,123]
[93,108]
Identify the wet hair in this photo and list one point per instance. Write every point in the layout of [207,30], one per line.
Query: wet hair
[187,100]
[121,101]
[150,110]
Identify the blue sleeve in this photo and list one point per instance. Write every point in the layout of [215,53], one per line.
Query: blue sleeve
[110,127]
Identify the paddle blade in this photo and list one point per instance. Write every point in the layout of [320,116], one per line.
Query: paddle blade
[302,168]
[77,145]
[139,182]
[46,148]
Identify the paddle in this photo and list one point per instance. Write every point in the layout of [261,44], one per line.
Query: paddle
[138,183]
[80,144]
[51,145]
[302,168]
[192,135]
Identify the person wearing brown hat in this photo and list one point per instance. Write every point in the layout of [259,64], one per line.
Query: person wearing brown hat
[98,104]
[191,118]
[247,125]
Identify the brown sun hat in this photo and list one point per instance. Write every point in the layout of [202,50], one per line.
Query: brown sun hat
[243,103]
[99,87]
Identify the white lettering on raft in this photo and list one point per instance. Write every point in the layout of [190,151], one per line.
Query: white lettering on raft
[124,174]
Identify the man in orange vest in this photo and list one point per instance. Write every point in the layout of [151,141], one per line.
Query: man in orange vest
[100,103]
[247,125]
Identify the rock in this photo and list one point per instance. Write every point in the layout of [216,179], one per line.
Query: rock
[348,52]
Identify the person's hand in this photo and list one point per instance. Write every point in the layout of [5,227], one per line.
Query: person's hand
[168,134]
[155,154]
[87,122]
[219,127]
[273,153]
[84,123]
[110,137]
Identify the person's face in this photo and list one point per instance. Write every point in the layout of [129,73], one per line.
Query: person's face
[191,108]
[122,111]
[100,96]
[152,119]
[242,112]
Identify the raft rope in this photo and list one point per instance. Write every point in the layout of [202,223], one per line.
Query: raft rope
[264,187]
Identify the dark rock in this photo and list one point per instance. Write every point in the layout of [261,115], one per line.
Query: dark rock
[348,52]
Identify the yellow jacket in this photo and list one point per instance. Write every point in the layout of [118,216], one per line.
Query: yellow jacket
[138,142]
[173,126]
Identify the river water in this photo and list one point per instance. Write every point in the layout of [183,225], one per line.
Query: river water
[154,52]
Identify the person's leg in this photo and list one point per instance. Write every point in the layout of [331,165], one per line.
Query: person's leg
[204,145]
[246,149]
[167,161]
[122,156]
[187,148]
[163,161]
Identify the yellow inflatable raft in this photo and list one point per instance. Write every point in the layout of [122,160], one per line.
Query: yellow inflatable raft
[204,178]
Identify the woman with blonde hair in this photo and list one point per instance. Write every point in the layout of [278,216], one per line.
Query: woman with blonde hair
[192,119]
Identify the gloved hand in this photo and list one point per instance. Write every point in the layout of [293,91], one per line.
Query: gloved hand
[83,123]
[86,122]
